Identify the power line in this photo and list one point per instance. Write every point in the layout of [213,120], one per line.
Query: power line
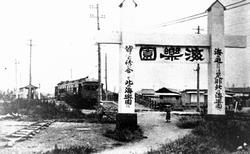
[235,3]
[238,6]
[184,20]
[200,15]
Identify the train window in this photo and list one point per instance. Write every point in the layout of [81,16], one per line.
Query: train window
[90,87]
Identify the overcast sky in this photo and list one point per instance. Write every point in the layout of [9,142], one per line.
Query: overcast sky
[63,37]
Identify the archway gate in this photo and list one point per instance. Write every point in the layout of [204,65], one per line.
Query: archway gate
[208,49]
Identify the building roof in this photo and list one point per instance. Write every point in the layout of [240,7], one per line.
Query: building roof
[167,94]
[146,92]
[28,86]
[81,80]
[168,91]
[192,91]
[240,90]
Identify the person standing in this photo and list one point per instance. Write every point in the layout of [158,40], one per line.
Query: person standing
[168,115]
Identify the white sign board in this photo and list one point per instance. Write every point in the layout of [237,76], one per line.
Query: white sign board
[174,54]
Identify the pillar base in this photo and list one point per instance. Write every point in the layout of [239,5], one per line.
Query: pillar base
[126,121]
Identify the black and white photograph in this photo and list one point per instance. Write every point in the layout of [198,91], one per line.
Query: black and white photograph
[124,77]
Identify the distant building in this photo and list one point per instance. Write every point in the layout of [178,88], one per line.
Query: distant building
[146,92]
[23,92]
[189,97]
[242,93]
[168,96]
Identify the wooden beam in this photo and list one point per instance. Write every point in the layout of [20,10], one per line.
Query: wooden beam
[160,39]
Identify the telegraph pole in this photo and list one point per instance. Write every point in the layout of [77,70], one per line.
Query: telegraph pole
[106,77]
[198,30]
[16,63]
[71,73]
[198,86]
[30,90]
[198,77]
[98,51]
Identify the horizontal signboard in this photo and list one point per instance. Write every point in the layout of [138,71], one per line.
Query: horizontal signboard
[177,54]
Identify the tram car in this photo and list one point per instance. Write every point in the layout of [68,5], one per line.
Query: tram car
[83,90]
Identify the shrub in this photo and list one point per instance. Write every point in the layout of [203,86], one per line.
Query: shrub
[210,136]
[37,109]
[189,121]
[191,144]
[228,133]
[125,135]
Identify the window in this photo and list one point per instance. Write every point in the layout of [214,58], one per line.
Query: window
[194,98]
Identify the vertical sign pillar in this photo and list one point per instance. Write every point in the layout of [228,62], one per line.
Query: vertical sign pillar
[216,65]
[126,117]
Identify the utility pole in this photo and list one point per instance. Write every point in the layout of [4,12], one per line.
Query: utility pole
[30,78]
[198,87]
[106,77]
[98,51]
[16,63]
[198,30]
[71,73]
[198,77]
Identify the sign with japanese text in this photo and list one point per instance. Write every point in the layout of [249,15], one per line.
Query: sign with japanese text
[179,54]
[218,78]
[128,95]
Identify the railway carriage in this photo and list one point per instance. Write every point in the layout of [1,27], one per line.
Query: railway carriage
[84,89]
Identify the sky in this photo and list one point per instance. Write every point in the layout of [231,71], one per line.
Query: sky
[63,36]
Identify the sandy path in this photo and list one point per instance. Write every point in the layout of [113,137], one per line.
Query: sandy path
[157,131]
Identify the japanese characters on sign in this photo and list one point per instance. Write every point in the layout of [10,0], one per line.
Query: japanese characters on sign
[171,53]
[218,79]
[147,53]
[174,54]
[128,83]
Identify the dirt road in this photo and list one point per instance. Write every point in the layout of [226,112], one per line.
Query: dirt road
[155,129]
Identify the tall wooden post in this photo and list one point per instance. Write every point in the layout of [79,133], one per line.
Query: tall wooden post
[30,89]
[216,65]
[198,87]
[106,76]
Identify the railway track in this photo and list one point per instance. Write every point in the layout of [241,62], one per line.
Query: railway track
[26,132]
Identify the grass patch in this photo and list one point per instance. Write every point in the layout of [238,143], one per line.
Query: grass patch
[209,136]
[190,144]
[187,122]
[38,110]
[72,150]
[229,134]
[125,135]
